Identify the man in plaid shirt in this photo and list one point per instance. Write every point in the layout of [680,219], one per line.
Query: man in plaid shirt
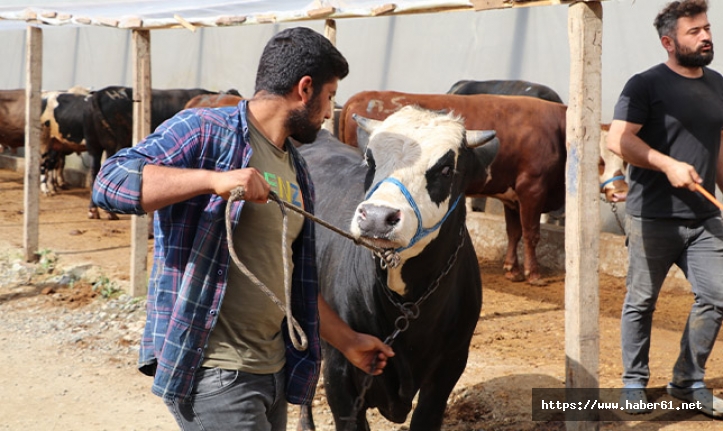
[216,345]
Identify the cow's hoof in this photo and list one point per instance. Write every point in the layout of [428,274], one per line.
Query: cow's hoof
[111,216]
[93,214]
[537,282]
[514,276]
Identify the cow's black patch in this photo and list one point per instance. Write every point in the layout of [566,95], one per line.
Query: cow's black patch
[439,178]
[69,116]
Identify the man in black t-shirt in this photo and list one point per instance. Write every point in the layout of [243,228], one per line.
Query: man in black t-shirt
[667,125]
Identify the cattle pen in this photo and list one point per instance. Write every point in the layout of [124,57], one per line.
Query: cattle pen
[581,234]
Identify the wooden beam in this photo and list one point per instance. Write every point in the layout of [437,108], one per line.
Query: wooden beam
[141,129]
[185,23]
[33,101]
[330,33]
[582,211]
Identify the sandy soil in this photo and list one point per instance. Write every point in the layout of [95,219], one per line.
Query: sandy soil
[54,382]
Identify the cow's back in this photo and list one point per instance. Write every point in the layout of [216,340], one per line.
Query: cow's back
[531,133]
[506,87]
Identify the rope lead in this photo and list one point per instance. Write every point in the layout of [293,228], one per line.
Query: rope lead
[296,333]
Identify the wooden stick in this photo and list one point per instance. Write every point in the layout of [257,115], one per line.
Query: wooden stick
[709,196]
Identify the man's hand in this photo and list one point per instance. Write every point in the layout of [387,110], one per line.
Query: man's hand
[256,189]
[682,175]
[365,350]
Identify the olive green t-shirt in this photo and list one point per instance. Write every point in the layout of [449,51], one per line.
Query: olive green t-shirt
[248,336]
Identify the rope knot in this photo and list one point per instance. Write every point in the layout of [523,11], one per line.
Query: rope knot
[237,194]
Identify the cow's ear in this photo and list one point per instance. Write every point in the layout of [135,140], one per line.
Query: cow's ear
[486,153]
[365,127]
[362,139]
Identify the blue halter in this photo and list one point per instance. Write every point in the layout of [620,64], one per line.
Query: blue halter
[619,177]
[421,232]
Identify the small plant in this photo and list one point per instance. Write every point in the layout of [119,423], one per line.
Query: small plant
[106,287]
[46,261]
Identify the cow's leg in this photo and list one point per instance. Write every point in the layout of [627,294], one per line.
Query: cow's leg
[434,393]
[59,176]
[95,161]
[530,224]
[341,393]
[514,234]
[306,419]
[47,168]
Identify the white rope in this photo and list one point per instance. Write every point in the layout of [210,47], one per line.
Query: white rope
[296,333]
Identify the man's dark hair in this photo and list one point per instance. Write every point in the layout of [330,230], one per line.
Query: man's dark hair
[294,53]
[667,20]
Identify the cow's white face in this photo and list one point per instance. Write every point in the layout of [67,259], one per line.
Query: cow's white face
[413,152]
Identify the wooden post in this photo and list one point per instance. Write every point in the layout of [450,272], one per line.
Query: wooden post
[33,100]
[141,129]
[582,213]
[330,33]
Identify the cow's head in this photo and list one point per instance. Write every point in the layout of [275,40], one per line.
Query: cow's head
[420,163]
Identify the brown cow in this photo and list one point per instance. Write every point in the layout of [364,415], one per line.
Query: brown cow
[528,174]
[12,119]
[213,100]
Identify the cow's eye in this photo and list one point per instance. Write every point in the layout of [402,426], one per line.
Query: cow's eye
[446,171]
[372,167]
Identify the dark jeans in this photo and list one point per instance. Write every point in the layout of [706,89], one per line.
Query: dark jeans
[233,400]
[654,245]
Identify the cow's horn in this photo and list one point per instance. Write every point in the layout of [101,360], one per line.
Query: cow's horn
[475,138]
[366,123]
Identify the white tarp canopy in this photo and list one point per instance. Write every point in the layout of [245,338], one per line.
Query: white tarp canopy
[173,13]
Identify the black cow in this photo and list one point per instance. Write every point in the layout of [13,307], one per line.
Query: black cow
[109,121]
[505,87]
[420,154]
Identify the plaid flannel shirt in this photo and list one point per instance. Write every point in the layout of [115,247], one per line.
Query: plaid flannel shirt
[191,257]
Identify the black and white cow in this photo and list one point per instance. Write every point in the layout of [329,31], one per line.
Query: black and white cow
[61,134]
[408,196]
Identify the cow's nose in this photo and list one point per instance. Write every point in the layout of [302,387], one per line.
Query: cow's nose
[377,221]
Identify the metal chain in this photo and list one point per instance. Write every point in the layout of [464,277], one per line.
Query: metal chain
[614,210]
[409,311]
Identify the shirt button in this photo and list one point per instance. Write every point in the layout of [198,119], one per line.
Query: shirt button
[220,272]
[199,350]
[212,312]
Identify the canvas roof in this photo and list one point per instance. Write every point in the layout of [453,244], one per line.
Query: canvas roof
[214,13]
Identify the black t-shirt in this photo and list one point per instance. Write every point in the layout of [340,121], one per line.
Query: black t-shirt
[680,117]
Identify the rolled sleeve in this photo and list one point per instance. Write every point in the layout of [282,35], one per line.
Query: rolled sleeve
[117,187]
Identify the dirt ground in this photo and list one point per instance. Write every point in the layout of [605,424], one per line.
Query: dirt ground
[53,381]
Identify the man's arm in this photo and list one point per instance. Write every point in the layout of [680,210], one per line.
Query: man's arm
[360,349]
[163,185]
[623,140]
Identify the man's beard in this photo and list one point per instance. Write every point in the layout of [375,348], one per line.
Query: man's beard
[300,125]
[689,58]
